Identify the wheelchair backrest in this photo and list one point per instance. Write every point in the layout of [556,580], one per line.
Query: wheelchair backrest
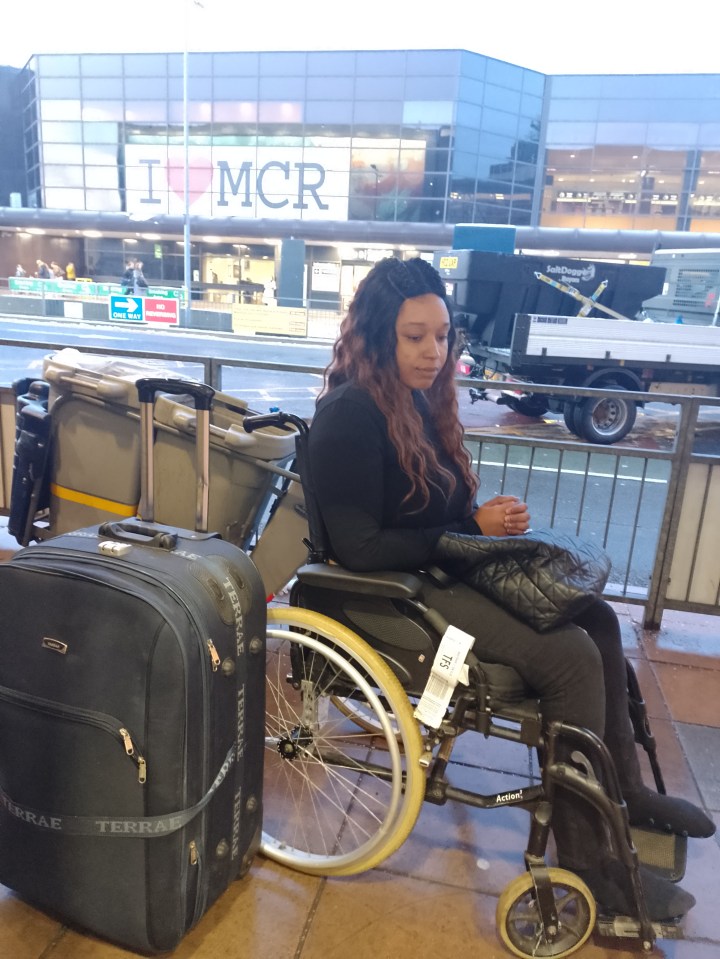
[318,542]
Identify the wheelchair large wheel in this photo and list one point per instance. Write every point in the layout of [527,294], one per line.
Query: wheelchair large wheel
[518,919]
[338,799]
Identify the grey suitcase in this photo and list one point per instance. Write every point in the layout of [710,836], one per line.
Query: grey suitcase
[95,466]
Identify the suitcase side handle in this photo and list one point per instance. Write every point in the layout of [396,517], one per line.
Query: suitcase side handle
[139,533]
[276,418]
[148,386]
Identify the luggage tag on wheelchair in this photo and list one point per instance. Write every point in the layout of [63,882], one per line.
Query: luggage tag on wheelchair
[448,669]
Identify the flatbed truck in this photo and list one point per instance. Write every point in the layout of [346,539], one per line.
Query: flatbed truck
[607,348]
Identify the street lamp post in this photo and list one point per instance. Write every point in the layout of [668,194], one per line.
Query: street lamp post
[375,170]
[187,268]
[187,279]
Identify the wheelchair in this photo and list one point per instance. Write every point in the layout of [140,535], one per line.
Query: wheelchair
[348,765]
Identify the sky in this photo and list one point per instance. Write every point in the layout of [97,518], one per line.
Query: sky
[553,37]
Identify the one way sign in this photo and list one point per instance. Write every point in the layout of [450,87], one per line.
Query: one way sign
[126,308]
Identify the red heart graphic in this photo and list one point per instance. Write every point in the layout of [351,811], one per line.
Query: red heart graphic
[200,172]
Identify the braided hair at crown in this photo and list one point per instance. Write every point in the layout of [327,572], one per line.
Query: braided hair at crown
[364,353]
[413,277]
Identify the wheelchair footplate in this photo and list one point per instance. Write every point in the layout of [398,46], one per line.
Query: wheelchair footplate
[624,927]
[663,852]
[666,854]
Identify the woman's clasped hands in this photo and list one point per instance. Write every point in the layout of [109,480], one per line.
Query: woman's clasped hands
[503,516]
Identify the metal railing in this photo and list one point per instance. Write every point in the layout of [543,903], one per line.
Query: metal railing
[80,300]
[655,511]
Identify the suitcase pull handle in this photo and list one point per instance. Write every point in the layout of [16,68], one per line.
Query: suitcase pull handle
[139,533]
[148,386]
[203,395]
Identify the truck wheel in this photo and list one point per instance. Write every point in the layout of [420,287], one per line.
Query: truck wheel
[570,413]
[603,419]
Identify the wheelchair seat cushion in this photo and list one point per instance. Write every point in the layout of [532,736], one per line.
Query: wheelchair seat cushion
[506,685]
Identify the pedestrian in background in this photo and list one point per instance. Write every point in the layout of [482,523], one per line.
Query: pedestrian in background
[126,280]
[20,270]
[139,281]
[70,272]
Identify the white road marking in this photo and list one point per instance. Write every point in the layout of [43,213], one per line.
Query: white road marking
[570,472]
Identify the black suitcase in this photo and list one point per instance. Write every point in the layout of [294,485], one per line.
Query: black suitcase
[132,662]
[30,490]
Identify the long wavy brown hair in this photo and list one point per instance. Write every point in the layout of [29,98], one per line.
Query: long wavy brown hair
[364,354]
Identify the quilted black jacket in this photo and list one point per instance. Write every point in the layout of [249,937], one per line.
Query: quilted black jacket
[544,577]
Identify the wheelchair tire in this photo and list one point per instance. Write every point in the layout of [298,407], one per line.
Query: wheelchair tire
[337,799]
[519,923]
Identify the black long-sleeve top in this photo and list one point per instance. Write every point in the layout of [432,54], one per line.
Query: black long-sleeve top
[360,487]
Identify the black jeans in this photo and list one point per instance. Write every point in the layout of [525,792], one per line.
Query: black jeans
[569,668]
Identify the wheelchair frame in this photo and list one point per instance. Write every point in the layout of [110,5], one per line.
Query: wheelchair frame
[532,913]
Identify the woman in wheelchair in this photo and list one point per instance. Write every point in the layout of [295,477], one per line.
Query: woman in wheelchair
[391,475]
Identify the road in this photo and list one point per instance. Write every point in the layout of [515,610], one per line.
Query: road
[263,388]
[260,388]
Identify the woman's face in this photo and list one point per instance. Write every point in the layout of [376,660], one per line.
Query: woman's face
[421,330]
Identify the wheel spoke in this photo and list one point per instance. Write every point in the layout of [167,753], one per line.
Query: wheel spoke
[330,808]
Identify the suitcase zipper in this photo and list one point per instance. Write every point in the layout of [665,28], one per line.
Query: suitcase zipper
[130,750]
[196,884]
[214,655]
[100,720]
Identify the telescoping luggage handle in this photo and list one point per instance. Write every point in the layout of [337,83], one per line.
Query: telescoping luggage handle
[202,394]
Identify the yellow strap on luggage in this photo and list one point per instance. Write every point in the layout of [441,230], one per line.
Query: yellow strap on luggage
[95,502]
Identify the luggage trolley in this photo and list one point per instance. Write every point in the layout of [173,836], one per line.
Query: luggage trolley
[93,469]
[29,490]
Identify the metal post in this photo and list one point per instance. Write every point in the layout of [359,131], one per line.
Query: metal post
[375,170]
[187,278]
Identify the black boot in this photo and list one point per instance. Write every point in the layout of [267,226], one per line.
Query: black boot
[583,848]
[655,811]
[646,807]
[664,900]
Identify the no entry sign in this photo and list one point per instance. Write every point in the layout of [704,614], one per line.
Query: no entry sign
[159,310]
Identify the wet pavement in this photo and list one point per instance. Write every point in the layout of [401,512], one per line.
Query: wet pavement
[655,427]
[438,894]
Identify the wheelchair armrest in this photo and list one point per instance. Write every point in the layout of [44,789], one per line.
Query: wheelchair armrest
[439,577]
[393,585]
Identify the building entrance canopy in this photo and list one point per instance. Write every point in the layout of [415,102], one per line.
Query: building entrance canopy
[424,236]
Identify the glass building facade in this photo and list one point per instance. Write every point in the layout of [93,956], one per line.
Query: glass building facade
[405,136]
[632,153]
[409,138]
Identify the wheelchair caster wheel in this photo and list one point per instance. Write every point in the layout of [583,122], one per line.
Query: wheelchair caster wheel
[518,919]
